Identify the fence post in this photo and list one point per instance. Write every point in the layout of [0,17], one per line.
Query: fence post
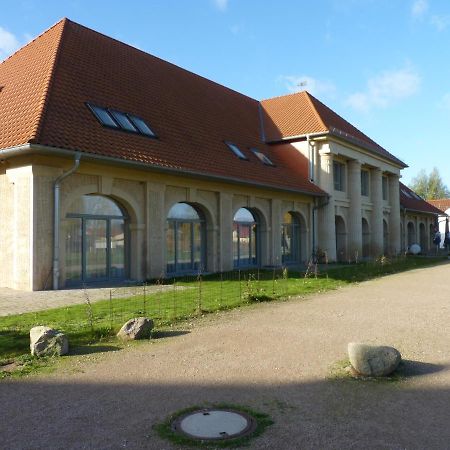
[199,299]
[240,287]
[174,298]
[111,314]
[145,300]
[273,281]
[221,289]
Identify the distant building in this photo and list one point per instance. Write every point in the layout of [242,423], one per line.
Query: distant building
[443,205]
[419,220]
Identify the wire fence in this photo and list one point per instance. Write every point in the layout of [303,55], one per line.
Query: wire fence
[168,300]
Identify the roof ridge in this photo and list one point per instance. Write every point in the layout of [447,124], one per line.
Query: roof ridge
[49,83]
[315,112]
[292,94]
[64,19]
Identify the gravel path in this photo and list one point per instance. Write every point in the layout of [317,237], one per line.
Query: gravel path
[273,357]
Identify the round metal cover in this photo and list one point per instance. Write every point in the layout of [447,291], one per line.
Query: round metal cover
[214,424]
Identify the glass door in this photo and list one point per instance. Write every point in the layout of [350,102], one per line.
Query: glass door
[96,249]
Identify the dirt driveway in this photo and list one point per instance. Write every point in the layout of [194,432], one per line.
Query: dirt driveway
[273,357]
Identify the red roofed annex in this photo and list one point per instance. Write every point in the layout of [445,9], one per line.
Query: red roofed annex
[117,165]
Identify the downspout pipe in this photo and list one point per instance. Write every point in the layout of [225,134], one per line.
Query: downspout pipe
[56,218]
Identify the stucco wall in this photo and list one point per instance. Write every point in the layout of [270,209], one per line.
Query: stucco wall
[147,197]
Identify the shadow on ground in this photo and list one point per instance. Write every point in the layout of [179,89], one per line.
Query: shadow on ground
[315,415]
[160,334]
[90,349]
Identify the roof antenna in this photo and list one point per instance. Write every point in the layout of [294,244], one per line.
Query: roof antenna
[302,83]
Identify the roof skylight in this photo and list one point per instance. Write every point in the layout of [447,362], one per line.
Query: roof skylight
[406,193]
[262,157]
[236,150]
[121,121]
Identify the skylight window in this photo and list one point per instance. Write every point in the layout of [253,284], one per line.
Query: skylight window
[121,121]
[406,193]
[141,126]
[236,150]
[262,157]
[103,116]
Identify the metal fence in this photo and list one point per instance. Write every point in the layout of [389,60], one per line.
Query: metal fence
[168,300]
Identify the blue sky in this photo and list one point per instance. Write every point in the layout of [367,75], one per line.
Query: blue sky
[384,65]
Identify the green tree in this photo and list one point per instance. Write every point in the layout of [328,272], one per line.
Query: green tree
[430,187]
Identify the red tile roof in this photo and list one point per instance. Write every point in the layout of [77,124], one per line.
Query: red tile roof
[442,204]
[47,83]
[301,113]
[411,201]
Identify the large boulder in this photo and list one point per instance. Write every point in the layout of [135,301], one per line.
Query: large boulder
[373,360]
[137,328]
[45,341]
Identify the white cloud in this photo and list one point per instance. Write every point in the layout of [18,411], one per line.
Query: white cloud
[296,83]
[221,5]
[8,43]
[419,8]
[386,89]
[440,22]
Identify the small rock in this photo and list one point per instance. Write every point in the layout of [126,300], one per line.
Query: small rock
[45,341]
[373,360]
[137,328]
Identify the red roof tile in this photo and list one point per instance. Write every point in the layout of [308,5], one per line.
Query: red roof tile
[410,200]
[48,82]
[442,204]
[301,113]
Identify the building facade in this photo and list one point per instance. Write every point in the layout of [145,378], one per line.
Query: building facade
[116,165]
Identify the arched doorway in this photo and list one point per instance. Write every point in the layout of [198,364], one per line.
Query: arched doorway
[411,234]
[245,239]
[365,238]
[185,239]
[341,238]
[423,238]
[96,241]
[290,239]
[385,238]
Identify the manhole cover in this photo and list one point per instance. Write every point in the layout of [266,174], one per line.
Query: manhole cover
[214,424]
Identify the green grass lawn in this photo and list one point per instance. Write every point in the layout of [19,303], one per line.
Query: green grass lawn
[183,298]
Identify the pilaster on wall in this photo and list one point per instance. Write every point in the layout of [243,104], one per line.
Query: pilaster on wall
[355,218]
[21,228]
[155,230]
[377,212]
[275,254]
[226,232]
[326,215]
[394,220]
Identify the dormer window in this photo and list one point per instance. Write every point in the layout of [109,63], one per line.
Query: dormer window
[236,150]
[262,157]
[121,121]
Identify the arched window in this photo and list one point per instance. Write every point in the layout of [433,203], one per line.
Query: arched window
[95,240]
[290,239]
[245,238]
[365,238]
[385,238]
[411,236]
[341,238]
[185,239]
